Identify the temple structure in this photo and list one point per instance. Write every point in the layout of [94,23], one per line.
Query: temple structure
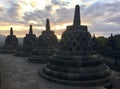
[11,43]
[46,46]
[29,43]
[75,63]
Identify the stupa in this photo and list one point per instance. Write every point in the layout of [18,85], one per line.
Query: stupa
[94,44]
[29,43]
[111,46]
[46,46]
[11,43]
[75,63]
[112,52]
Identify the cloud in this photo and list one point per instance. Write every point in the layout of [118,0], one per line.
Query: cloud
[13,11]
[101,18]
[48,8]
[114,20]
[64,15]
[11,15]
[59,2]
[38,15]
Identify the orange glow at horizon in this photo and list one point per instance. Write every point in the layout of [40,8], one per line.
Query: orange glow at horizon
[20,30]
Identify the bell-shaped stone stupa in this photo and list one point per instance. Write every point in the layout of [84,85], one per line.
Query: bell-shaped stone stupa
[94,43]
[46,45]
[112,53]
[11,43]
[29,43]
[75,63]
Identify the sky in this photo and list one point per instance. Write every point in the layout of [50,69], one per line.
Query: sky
[101,16]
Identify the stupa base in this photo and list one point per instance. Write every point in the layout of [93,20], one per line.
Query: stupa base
[22,54]
[91,83]
[38,59]
[114,64]
[7,51]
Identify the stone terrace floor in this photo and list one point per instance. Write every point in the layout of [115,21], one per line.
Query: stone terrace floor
[16,73]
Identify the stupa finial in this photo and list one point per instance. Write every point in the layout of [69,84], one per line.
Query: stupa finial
[77,16]
[11,31]
[30,30]
[47,25]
